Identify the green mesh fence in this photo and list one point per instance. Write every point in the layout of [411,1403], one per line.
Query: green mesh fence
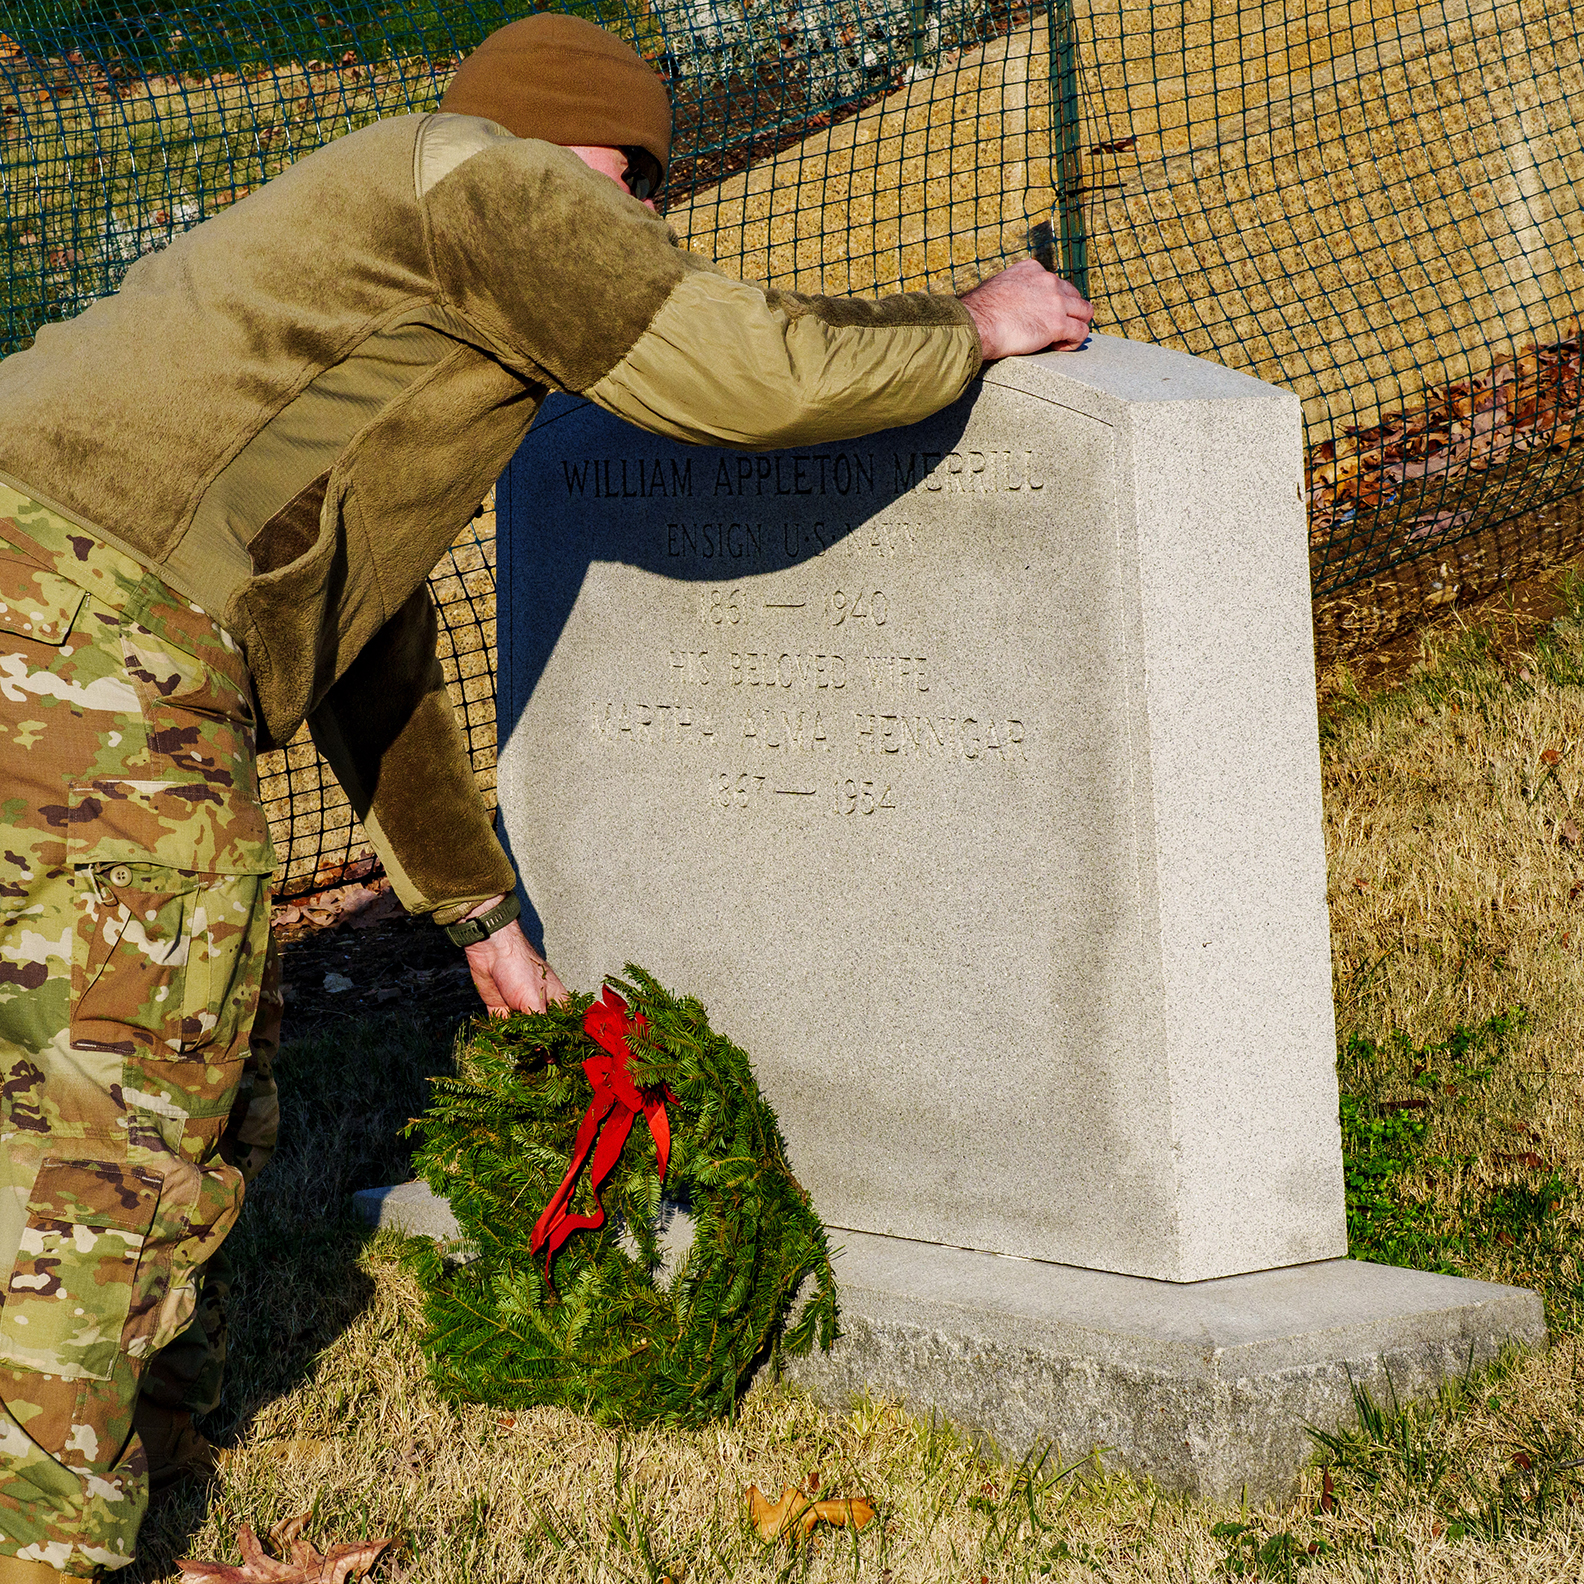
[1373,204]
[1376,204]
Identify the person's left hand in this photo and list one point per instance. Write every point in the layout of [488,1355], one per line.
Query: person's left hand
[510,975]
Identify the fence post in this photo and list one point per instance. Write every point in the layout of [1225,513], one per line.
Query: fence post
[1072,245]
[918,22]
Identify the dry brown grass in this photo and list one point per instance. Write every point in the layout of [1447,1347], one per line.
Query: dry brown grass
[1356,200]
[477,1495]
[1453,880]
[1457,869]
[921,191]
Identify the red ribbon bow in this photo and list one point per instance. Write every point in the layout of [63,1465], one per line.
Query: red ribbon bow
[617,1100]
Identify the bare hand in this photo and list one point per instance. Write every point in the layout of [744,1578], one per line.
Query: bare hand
[510,975]
[1026,309]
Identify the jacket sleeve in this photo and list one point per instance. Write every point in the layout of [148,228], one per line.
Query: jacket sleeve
[725,362]
[391,736]
[570,282]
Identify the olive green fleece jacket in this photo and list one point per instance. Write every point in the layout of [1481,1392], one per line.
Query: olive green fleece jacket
[292,411]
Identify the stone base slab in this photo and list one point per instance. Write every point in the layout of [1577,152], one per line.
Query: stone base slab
[1204,1387]
[410,1207]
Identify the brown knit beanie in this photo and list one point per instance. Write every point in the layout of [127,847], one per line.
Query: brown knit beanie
[566,81]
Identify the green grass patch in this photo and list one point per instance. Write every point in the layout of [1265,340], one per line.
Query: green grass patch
[1419,1196]
[1386,1137]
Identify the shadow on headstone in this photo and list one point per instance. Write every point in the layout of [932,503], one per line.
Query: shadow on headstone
[620,464]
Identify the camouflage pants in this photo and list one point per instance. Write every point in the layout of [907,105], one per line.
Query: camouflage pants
[134,880]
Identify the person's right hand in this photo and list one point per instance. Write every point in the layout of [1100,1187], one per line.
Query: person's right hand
[509,975]
[1026,309]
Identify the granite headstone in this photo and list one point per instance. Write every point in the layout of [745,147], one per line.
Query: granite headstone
[969,774]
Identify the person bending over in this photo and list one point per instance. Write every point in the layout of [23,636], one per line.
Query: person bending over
[222,491]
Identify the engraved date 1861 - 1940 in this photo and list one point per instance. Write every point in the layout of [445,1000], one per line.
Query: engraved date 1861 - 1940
[735,607]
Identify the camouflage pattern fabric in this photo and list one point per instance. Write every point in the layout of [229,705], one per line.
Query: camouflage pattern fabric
[134,916]
[185,1378]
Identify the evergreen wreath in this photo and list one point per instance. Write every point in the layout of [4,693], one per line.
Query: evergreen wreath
[606,1337]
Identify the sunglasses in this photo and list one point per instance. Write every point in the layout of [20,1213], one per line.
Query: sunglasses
[642,176]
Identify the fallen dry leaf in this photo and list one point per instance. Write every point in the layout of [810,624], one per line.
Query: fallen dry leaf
[302,1565]
[342,893]
[1434,524]
[795,1514]
[1529,401]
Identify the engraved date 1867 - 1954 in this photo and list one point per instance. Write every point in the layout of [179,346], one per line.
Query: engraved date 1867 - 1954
[841,795]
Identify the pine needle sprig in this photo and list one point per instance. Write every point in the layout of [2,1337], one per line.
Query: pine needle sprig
[611,1338]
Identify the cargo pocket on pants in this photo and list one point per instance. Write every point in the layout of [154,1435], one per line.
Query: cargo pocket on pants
[165,963]
[69,1295]
[131,974]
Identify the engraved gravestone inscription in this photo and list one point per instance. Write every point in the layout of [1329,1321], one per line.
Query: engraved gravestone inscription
[866,744]
[780,661]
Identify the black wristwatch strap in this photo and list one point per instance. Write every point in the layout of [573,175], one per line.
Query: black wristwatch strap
[470,931]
